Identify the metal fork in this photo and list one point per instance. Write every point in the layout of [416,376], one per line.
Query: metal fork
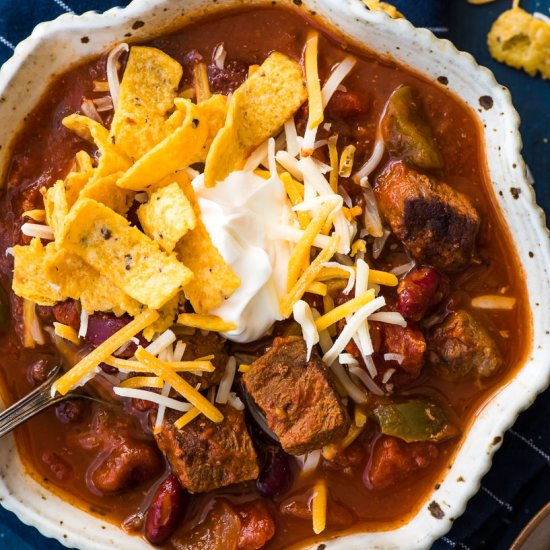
[33,403]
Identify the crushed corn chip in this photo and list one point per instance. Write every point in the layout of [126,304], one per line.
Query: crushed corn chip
[104,190]
[167,316]
[30,281]
[123,254]
[111,158]
[56,207]
[200,80]
[167,216]
[95,292]
[256,111]
[521,41]
[146,96]
[175,152]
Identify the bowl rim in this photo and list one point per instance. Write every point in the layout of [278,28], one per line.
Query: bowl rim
[484,437]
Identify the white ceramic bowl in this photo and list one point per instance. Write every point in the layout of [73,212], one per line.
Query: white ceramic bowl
[55,46]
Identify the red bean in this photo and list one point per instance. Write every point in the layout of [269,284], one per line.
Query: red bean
[102,326]
[165,511]
[70,411]
[60,469]
[417,292]
[67,313]
[276,476]
[346,105]
[37,372]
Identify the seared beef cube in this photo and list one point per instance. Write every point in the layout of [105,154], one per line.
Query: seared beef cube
[206,455]
[438,224]
[297,396]
[461,345]
[408,342]
[199,345]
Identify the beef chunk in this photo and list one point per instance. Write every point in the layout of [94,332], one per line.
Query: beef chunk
[408,342]
[461,345]
[200,345]
[207,455]
[393,460]
[438,224]
[297,396]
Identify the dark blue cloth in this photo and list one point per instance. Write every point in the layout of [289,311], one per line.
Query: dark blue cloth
[519,482]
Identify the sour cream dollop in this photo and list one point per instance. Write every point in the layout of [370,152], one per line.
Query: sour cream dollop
[237,214]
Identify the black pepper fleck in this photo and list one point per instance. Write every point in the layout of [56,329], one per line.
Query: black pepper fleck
[128,261]
[515,191]
[106,233]
[85,39]
[443,80]
[137,25]
[195,122]
[297,2]
[497,440]
[486,101]
[435,510]
[531,255]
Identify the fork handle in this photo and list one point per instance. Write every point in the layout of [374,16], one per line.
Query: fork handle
[33,403]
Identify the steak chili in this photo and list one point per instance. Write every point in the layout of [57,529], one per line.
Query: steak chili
[441,222]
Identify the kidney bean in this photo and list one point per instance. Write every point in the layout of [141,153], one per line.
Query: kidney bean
[165,511]
[417,292]
[37,372]
[60,469]
[102,326]
[70,411]
[346,105]
[126,465]
[67,313]
[276,475]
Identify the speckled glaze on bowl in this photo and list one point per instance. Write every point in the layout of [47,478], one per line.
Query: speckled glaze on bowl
[55,46]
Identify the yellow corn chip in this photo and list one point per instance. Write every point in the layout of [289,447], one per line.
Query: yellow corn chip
[123,253]
[83,161]
[214,111]
[146,97]
[30,280]
[174,153]
[167,216]
[257,110]
[74,183]
[167,317]
[213,280]
[111,158]
[56,206]
[521,41]
[80,281]
[104,189]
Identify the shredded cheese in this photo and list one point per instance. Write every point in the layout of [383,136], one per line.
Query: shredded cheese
[38,215]
[112,70]
[366,379]
[372,162]
[315,100]
[179,385]
[103,351]
[336,77]
[142,382]
[301,252]
[200,79]
[304,317]
[146,395]
[390,317]
[187,418]
[344,309]
[320,289]
[291,135]
[219,57]
[319,506]
[351,328]
[244,368]
[493,301]
[360,416]
[205,322]
[227,381]
[37,230]
[402,269]
[234,401]
[161,342]
[288,233]
[289,163]
[346,161]
[179,350]
[307,277]
[83,329]
[161,410]
[333,156]
[127,365]
[66,332]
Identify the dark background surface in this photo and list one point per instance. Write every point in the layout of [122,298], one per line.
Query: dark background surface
[518,484]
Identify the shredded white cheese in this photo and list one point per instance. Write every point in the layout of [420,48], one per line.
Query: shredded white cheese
[219,57]
[146,395]
[304,317]
[372,162]
[163,341]
[83,330]
[227,381]
[112,70]
[366,380]
[37,230]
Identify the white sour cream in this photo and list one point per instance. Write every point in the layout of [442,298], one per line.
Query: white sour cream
[237,213]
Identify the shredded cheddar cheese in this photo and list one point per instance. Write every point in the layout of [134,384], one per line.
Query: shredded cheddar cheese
[202,87]
[179,385]
[244,368]
[187,418]
[315,100]
[142,382]
[317,288]
[333,156]
[347,308]
[88,363]
[205,322]
[66,332]
[319,506]
[38,215]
